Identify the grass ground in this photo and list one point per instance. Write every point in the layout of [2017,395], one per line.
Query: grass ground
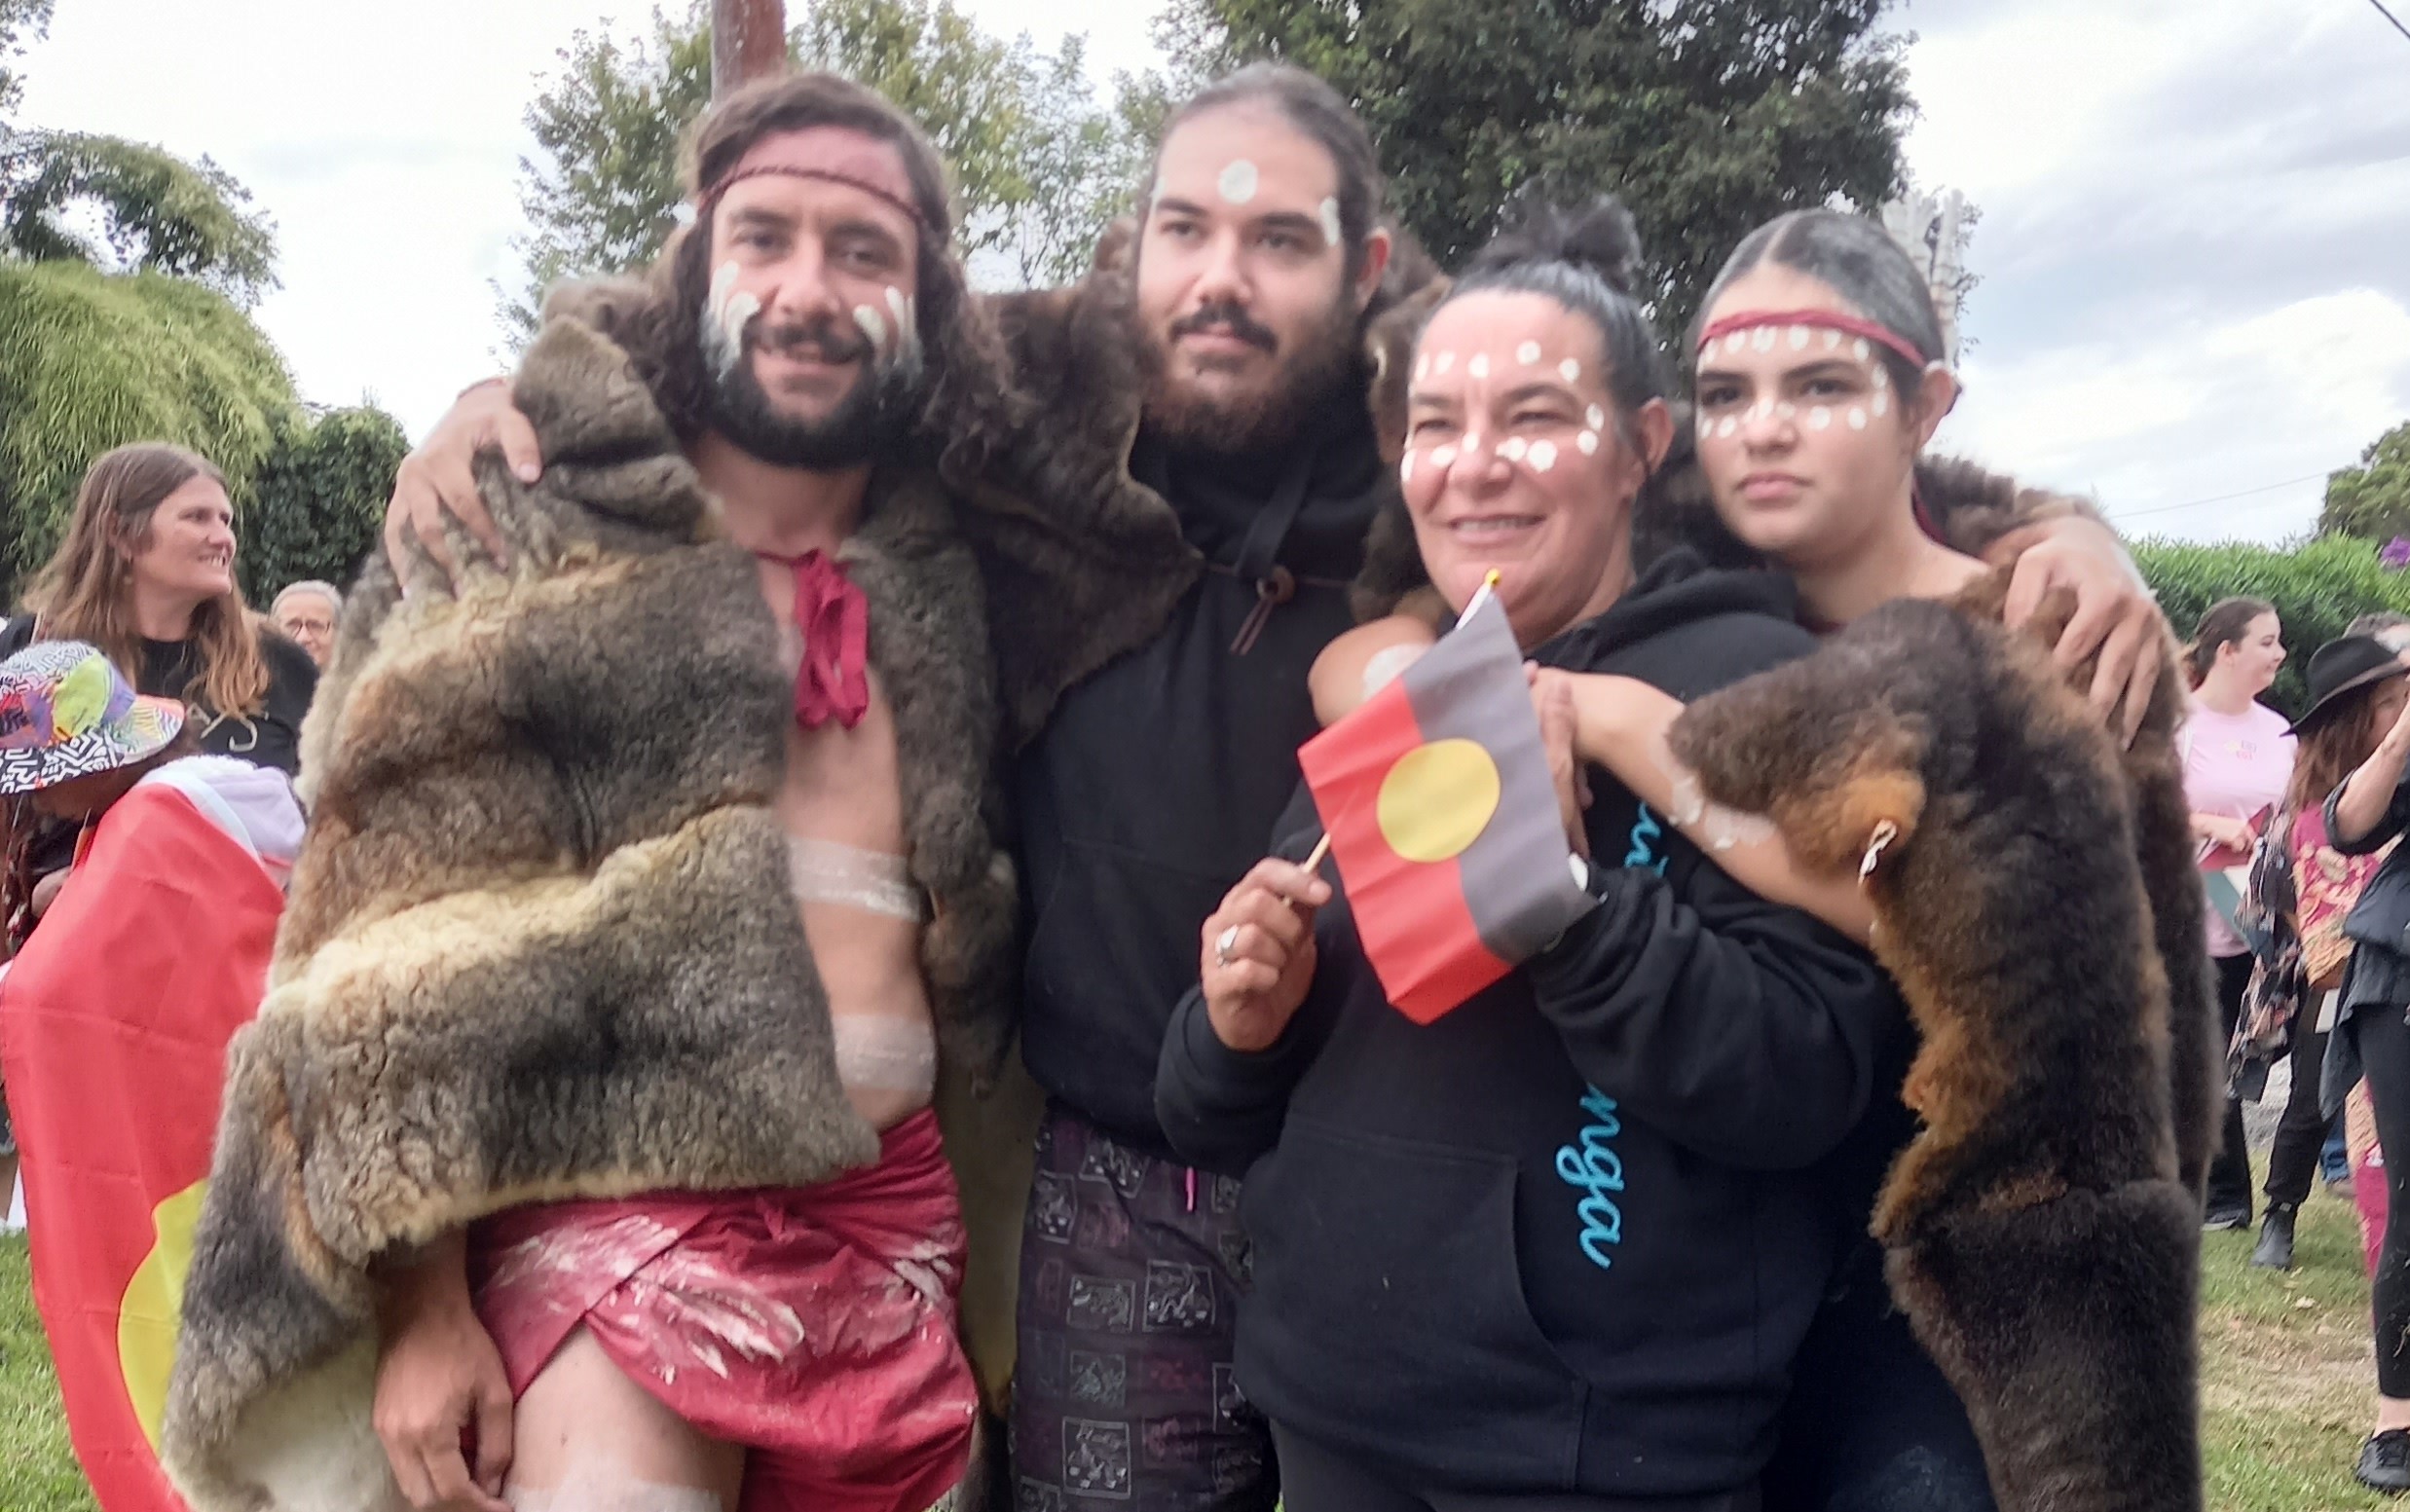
[2286,1379]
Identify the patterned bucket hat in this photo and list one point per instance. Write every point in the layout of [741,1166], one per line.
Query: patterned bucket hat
[66,711]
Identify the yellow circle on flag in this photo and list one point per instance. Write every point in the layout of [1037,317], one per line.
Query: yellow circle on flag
[148,1315]
[1437,799]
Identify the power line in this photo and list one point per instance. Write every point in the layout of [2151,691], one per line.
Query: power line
[2195,504]
[2390,17]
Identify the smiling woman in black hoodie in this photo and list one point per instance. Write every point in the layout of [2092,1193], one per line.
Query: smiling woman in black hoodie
[1528,1256]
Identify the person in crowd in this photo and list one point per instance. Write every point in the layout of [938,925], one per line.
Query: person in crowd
[305,612]
[2237,760]
[811,343]
[2368,812]
[1846,508]
[182,857]
[2358,690]
[146,573]
[1204,408]
[1412,1190]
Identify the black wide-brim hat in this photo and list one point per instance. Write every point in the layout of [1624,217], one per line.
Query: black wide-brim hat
[2342,665]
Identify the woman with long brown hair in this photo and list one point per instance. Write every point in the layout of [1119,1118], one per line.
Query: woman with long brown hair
[147,573]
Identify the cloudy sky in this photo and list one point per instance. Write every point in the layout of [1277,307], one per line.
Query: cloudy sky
[2195,243]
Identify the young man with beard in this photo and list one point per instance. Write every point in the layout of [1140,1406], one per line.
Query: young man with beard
[812,345]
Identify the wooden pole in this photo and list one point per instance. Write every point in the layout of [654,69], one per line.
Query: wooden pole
[748,40]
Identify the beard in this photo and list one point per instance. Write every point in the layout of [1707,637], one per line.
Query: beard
[1246,423]
[875,415]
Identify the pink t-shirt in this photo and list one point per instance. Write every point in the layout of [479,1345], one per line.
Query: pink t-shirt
[2235,765]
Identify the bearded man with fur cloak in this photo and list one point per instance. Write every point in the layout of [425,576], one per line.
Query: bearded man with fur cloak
[653,895]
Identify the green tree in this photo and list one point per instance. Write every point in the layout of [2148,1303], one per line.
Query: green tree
[1039,165]
[2373,498]
[157,212]
[317,504]
[1708,117]
[20,22]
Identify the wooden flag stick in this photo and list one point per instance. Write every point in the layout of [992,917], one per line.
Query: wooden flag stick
[1314,863]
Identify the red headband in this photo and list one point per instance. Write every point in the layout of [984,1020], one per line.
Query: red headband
[788,154]
[1818,319]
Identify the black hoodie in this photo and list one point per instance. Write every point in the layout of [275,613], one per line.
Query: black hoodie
[1567,1237]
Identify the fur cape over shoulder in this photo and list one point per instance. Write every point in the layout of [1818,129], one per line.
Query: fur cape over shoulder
[2035,900]
[541,942]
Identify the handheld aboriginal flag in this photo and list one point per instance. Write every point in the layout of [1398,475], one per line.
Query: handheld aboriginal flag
[1443,818]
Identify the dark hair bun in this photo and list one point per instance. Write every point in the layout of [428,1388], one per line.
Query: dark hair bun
[1593,232]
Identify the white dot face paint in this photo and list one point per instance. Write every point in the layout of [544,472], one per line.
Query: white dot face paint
[1763,338]
[1861,350]
[1587,442]
[1528,353]
[1479,366]
[1511,449]
[1543,455]
[1881,404]
[1422,368]
[1736,340]
[1447,360]
[1882,376]
[1819,419]
[1857,417]
[1798,338]
[1239,182]
[1333,230]
[1784,410]
[1444,458]
[1726,425]
[1596,418]
[725,314]
[1569,370]
[1405,467]
[1832,340]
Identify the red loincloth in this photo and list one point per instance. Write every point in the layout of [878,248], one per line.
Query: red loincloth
[813,1325]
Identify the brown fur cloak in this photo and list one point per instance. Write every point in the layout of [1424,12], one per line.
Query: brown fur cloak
[541,942]
[2036,1232]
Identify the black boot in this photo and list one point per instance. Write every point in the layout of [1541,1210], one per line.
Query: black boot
[2385,1462]
[2275,1239]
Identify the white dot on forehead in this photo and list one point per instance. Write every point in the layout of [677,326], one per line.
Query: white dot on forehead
[1859,350]
[1832,339]
[1798,338]
[1421,367]
[1238,181]
[1570,369]
[1479,366]
[1736,340]
[1543,455]
[1857,417]
[1446,360]
[1596,418]
[1528,353]
[1762,339]
[1587,441]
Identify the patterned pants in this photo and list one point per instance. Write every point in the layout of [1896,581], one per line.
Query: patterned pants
[1131,1273]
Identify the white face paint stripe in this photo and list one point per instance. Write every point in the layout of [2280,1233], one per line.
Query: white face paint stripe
[1332,229]
[725,319]
[873,325]
[1238,181]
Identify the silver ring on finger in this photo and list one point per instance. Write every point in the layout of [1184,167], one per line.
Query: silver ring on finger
[1224,944]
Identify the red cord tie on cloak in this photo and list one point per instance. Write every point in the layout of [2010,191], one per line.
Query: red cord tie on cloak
[834,619]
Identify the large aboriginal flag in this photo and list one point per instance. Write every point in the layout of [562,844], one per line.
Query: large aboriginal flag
[113,1027]
[1444,821]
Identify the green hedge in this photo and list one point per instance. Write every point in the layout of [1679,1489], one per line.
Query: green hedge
[317,505]
[2317,589]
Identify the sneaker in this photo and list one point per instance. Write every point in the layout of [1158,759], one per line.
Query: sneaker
[2275,1240]
[2225,1218]
[2385,1462]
